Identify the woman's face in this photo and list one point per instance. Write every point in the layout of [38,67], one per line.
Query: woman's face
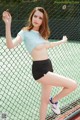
[37,19]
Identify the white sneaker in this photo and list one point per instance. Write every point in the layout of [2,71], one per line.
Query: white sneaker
[55,106]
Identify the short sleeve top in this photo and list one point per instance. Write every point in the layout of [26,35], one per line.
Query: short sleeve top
[31,39]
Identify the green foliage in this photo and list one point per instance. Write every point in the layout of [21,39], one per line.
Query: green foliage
[15,1]
[9,1]
[54,1]
[67,1]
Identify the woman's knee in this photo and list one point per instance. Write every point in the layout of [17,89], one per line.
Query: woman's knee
[73,85]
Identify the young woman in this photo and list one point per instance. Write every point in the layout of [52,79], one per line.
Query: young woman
[35,37]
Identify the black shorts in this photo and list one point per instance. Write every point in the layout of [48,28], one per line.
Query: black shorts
[39,68]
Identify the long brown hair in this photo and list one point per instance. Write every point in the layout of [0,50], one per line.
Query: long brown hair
[44,28]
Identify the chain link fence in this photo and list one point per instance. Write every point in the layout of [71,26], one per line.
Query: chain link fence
[19,92]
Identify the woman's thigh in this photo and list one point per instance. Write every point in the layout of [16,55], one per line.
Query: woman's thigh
[56,80]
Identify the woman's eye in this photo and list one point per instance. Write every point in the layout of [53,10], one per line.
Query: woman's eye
[35,16]
[40,18]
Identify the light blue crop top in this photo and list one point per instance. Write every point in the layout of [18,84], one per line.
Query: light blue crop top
[31,39]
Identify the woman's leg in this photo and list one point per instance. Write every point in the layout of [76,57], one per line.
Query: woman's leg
[57,80]
[46,90]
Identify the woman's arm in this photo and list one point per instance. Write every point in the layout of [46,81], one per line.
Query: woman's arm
[9,42]
[53,44]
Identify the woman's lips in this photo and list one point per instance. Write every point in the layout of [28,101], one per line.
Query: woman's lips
[35,23]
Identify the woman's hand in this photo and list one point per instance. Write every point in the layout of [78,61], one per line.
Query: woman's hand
[64,39]
[6,16]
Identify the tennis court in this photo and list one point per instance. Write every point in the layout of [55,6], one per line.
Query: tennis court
[19,92]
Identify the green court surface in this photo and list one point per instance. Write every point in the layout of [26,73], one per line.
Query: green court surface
[20,93]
